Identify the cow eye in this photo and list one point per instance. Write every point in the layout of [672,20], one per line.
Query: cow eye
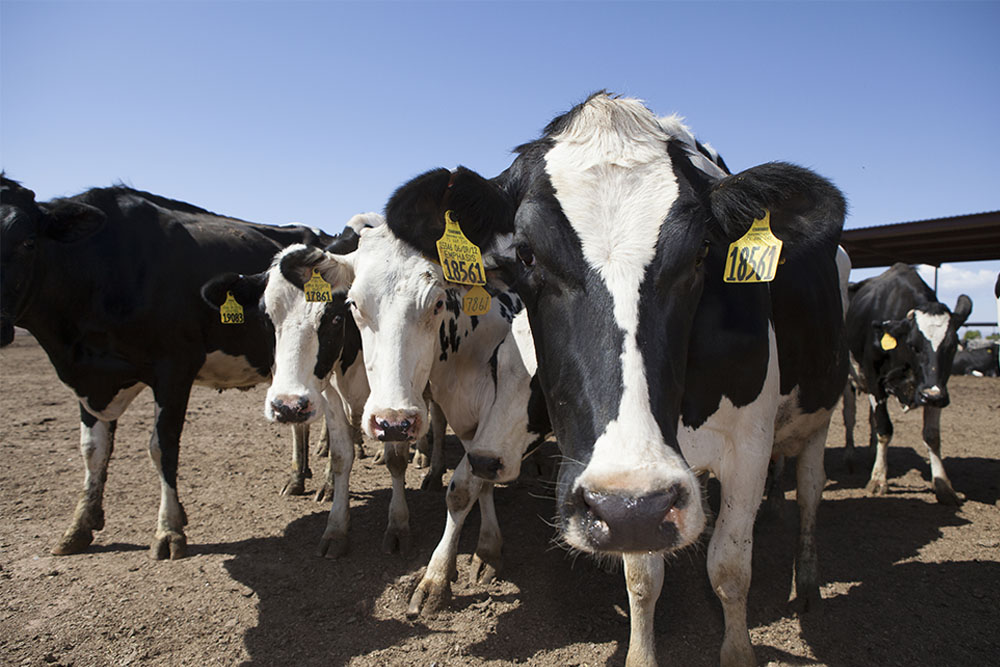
[525,255]
[438,306]
[28,244]
[338,319]
[702,254]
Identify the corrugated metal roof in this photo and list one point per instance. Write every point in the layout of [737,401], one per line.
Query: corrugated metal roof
[961,238]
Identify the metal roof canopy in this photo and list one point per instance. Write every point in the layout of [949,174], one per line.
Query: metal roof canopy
[962,238]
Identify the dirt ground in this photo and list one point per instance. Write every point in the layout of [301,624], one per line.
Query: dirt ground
[905,581]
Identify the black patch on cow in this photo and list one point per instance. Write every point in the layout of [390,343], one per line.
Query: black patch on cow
[331,336]
[443,338]
[493,367]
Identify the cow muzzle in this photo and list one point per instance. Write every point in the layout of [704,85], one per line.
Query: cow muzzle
[395,425]
[629,523]
[934,396]
[291,409]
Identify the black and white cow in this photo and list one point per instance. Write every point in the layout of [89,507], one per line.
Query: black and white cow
[108,282]
[980,361]
[477,369]
[902,343]
[615,230]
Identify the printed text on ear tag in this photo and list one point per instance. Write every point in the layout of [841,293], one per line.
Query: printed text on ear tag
[231,311]
[888,342]
[317,289]
[476,301]
[460,258]
[753,258]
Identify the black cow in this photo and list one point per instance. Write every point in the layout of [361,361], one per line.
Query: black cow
[615,228]
[108,282]
[978,361]
[902,343]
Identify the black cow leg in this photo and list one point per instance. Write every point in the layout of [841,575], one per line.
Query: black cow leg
[296,484]
[97,440]
[850,418]
[882,433]
[432,479]
[932,440]
[164,450]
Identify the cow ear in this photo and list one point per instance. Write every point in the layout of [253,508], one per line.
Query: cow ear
[963,308]
[247,290]
[338,270]
[297,266]
[69,221]
[888,333]
[415,212]
[806,210]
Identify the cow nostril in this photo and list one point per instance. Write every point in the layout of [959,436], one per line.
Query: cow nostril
[384,424]
[405,424]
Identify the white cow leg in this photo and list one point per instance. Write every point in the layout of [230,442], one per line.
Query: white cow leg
[97,439]
[644,580]
[337,430]
[334,542]
[810,479]
[730,551]
[296,484]
[434,589]
[488,559]
[932,440]
[397,533]
[882,430]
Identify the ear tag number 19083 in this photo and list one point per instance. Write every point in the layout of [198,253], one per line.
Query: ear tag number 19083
[753,258]
[462,263]
[317,289]
[231,311]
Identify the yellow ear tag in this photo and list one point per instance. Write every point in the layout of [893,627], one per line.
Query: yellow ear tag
[317,289]
[754,257]
[888,342]
[231,311]
[460,258]
[476,301]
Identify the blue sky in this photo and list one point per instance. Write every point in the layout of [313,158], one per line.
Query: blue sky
[312,111]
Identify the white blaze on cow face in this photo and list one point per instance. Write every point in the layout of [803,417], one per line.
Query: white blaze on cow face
[615,183]
[398,300]
[933,327]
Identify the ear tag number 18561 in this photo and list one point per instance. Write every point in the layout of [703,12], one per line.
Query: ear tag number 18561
[317,289]
[462,263]
[231,311]
[754,257]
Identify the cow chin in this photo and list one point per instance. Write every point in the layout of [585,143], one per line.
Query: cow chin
[663,514]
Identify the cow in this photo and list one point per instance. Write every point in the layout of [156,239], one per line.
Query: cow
[614,228]
[108,283]
[902,342]
[416,334]
[318,352]
[980,361]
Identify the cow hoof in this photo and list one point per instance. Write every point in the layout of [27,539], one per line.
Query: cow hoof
[296,486]
[483,570]
[73,542]
[332,546]
[324,493]
[431,482]
[322,449]
[809,602]
[397,540]
[169,545]
[945,494]
[877,487]
[429,597]
[359,452]
[421,460]
[379,458]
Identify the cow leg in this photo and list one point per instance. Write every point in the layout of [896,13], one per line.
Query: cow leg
[340,435]
[323,445]
[296,484]
[882,432]
[810,478]
[488,559]
[97,440]
[773,493]
[644,581]
[164,449]
[731,548]
[334,543]
[434,589]
[432,479]
[397,534]
[850,419]
[932,440]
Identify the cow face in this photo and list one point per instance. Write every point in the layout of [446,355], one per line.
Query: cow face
[607,226]
[920,349]
[26,228]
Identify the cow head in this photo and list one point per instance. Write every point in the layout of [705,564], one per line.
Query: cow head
[609,226]
[920,349]
[27,228]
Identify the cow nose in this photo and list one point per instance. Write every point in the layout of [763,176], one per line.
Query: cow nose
[291,409]
[622,522]
[395,426]
[934,396]
[486,467]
